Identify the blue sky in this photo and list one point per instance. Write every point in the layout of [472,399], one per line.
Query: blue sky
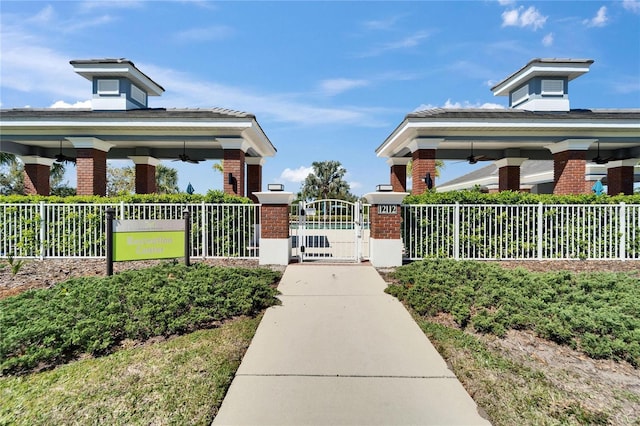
[326,80]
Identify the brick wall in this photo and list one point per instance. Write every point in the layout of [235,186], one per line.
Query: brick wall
[569,169]
[274,219]
[620,180]
[424,161]
[385,226]
[254,180]
[91,169]
[399,177]
[36,179]
[234,163]
[509,178]
[145,179]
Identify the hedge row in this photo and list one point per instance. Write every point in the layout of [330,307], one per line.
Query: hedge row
[45,327]
[513,197]
[212,196]
[596,313]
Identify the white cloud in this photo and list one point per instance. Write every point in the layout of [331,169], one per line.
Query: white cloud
[354,185]
[220,32]
[79,104]
[548,40]
[459,105]
[600,20]
[296,175]
[381,24]
[631,5]
[523,18]
[405,43]
[44,16]
[339,85]
[506,2]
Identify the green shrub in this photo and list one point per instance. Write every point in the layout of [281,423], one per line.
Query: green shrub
[42,328]
[511,197]
[596,313]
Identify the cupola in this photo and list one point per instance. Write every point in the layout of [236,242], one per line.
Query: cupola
[542,84]
[117,84]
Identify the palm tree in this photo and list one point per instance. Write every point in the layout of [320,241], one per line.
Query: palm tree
[326,181]
[166,180]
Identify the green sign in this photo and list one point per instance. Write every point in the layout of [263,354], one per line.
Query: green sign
[147,239]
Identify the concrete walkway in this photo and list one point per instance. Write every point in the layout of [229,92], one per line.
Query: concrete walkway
[339,351]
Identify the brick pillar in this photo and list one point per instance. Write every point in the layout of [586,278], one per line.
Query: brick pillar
[509,173]
[145,173]
[234,172]
[91,167]
[398,173]
[385,246]
[254,176]
[570,165]
[275,242]
[145,179]
[37,175]
[569,169]
[424,161]
[620,176]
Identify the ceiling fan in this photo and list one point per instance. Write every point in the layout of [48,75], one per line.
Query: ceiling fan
[61,158]
[184,157]
[473,159]
[599,160]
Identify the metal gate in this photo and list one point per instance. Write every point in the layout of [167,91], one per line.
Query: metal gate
[331,230]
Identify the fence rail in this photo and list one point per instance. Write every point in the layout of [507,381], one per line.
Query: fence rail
[520,232]
[78,230]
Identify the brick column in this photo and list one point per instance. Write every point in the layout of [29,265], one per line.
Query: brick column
[399,173]
[254,176]
[234,172]
[569,165]
[509,173]
[145,173]
[620,176]
[91,165]
[424,161]
[37,175]
[385,246]
[275,242]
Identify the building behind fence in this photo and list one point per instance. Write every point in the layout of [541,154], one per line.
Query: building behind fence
[458,231]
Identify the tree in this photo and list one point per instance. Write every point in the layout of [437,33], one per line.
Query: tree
[122,180]
[11,175]
[326,181]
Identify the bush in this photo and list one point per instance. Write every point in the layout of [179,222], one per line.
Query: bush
[512,197]
[596,313]
[42,328]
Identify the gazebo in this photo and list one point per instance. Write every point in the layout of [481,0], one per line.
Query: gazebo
[538,125]
[120,125]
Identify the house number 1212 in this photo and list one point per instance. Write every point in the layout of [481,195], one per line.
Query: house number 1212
[387,209]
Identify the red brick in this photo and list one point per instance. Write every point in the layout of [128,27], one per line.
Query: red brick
[36,179]
[620,180]
[569,169]
[234,163]
[424,161]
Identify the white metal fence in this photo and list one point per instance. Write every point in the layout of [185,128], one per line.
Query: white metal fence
[541,231]
[78,230]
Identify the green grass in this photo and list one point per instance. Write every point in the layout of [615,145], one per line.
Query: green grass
[178,381]
[596,313]
[508,391]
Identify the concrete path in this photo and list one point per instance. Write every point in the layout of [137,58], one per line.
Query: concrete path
[339,351]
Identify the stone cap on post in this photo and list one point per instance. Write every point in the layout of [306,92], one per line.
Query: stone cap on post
[275,197]
[376,198]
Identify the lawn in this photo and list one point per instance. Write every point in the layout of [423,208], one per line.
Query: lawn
[151,346]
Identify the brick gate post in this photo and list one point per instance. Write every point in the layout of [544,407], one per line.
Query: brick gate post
[385,246]
[275,242]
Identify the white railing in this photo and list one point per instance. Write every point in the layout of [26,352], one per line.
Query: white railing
[78,230]
[519,232]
